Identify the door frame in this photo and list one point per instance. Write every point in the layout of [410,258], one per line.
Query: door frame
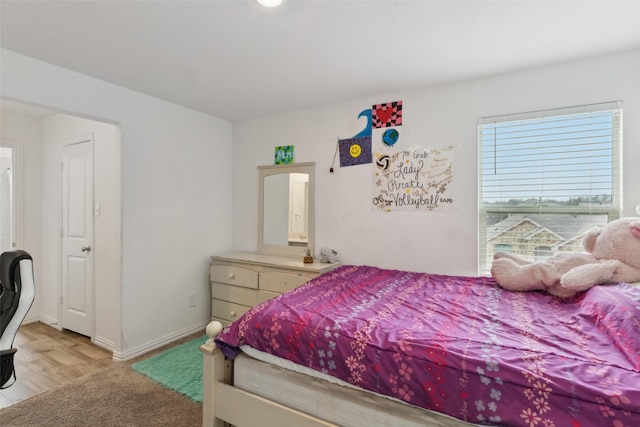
[18,199]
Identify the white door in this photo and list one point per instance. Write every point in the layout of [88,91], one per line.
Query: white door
[77,237]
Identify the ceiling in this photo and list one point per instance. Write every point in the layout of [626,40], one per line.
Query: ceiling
[237,60]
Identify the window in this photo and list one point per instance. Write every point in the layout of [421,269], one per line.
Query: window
[10,197]
[546,178]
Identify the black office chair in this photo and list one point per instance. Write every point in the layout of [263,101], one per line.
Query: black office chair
[17,290]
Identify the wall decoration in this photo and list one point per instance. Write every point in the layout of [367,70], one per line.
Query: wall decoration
[413,179]
[284,155]
[390,138]
[386,115]
[382,124]
[355,151]
[366,131]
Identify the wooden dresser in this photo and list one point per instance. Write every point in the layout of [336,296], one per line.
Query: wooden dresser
[241,280]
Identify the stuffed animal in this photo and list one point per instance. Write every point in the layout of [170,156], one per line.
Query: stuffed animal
[613,256]
[328,255]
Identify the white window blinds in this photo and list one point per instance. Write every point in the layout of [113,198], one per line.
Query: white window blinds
[546,178]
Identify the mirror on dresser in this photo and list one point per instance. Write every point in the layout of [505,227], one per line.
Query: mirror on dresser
[285,209]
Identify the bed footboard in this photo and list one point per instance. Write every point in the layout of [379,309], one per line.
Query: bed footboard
[224,404]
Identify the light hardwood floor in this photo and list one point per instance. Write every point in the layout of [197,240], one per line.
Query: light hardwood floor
[47,358]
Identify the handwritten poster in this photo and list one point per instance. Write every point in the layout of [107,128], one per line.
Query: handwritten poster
[413,179]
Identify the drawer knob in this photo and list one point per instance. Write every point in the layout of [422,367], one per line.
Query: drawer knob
[232,276]
[232,314]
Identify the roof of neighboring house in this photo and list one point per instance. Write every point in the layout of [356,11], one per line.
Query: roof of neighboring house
[553,223]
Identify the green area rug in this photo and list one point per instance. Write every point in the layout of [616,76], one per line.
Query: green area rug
[179,368]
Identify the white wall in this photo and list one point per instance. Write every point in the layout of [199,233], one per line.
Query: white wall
[28,132]
[437,242]
[176,197]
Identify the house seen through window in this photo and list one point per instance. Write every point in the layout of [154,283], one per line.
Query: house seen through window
[546,178]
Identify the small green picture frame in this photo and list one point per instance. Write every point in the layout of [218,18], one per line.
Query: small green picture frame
[284,155]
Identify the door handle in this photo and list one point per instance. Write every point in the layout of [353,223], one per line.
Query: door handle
[86,248]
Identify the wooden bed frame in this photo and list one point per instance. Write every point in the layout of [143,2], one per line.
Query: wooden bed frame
[318,402]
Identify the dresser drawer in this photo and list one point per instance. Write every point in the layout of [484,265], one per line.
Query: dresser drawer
[281,282]
[223,322]
[233,275]
[266,295]
[227,310]
[235,294]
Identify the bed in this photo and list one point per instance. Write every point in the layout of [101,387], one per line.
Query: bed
[365,346]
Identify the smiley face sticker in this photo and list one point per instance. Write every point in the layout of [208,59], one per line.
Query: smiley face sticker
[355,150]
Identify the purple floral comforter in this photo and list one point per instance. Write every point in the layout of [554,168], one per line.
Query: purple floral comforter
[461,345]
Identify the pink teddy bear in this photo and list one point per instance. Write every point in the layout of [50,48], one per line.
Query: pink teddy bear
[613,256]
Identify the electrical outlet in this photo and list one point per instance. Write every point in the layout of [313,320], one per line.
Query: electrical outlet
[192,300]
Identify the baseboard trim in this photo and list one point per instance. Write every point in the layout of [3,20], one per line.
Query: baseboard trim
[139,351]
[49,321]
[104,343]
[109,345]
[30,319]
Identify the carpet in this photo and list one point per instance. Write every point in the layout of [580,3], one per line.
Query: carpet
[111,396]
[178,368]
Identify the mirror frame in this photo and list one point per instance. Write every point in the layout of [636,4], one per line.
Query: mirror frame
[292,251]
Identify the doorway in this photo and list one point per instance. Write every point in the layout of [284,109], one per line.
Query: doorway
[43,134]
